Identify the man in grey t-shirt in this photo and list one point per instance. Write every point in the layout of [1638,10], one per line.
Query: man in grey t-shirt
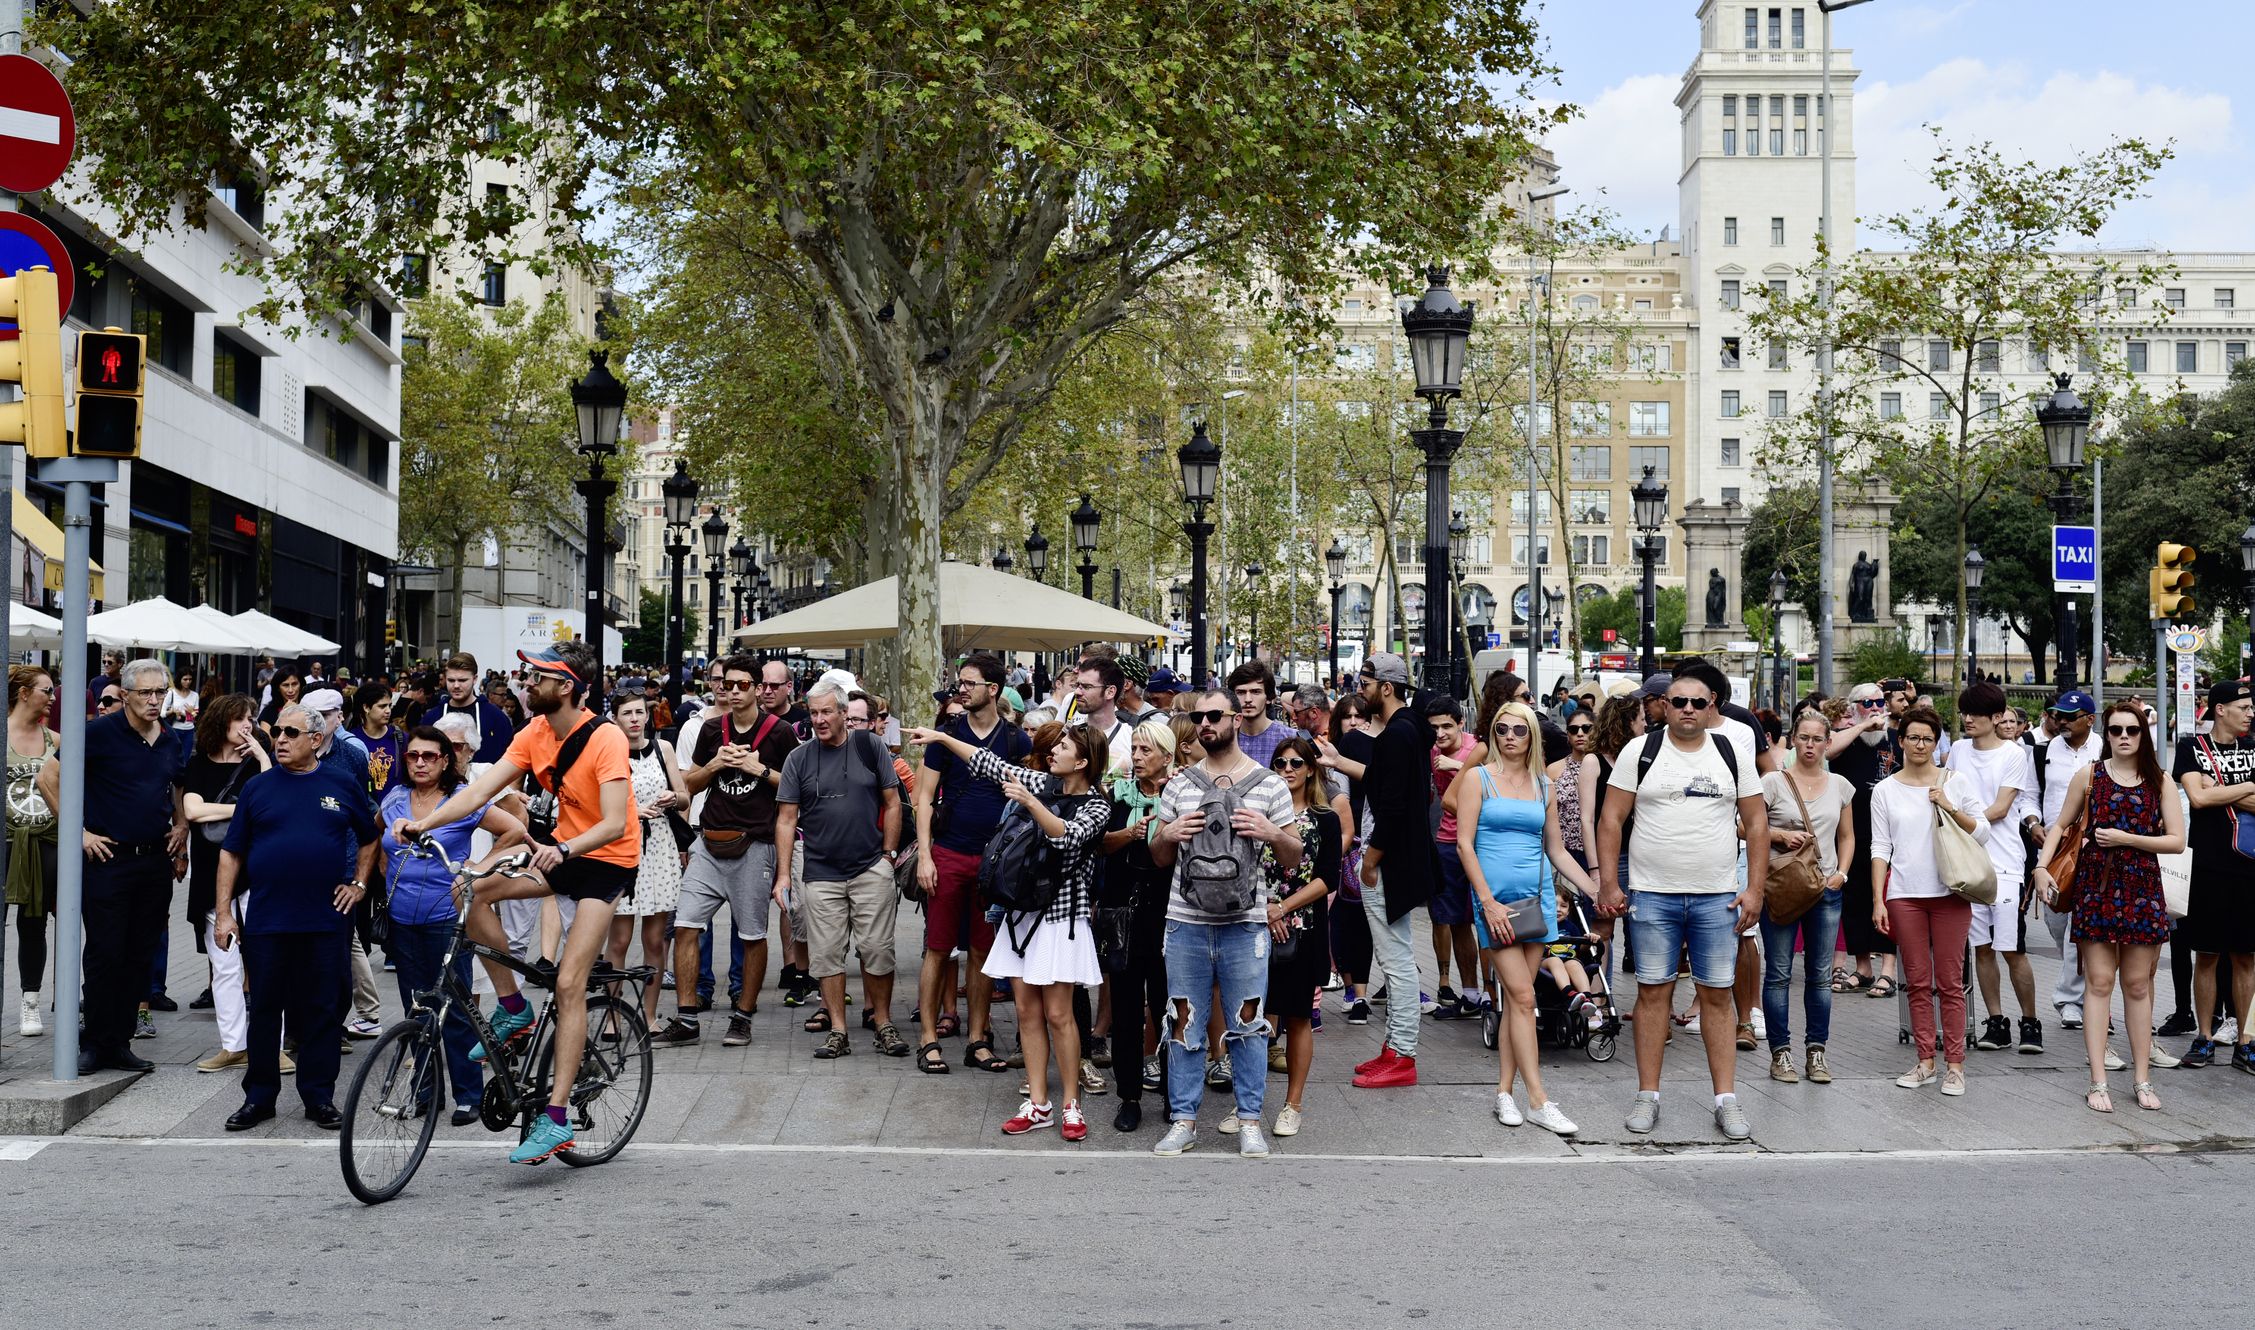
[841,792]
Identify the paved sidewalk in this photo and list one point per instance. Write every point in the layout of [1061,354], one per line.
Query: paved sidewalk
[774,1092]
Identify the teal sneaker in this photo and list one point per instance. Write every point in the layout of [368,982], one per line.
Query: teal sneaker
[506,1026]
[548,1137]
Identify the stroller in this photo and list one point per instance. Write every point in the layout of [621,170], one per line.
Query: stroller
[1558,1024]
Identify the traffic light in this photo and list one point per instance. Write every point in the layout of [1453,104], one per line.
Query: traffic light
[391,632]
[2169,585]
[33,360]
[109,394]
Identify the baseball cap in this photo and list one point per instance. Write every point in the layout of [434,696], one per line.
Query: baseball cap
[2227,691]
[1137,670]
[2074,702]
[1162,680]
[322,700]
[1386,667]
[550,661]
[1655,685]
[1011,700]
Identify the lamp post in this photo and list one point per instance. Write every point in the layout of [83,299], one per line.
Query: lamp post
[1556,599]
[1536,291]
[1778,700]
[1178,610]
[741,562]
[716,566]
[1253,573]
[1335,563]
[1975,568]
[1825,556]
[1460,546]
[1200,463]
[599,399]
[1648,499]
[681,509]
[1438,328]
[1002,561]
[1037,552]
[2066,423]
[763,596]
[1085,520]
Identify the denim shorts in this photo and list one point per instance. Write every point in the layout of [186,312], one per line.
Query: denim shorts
[1663,923]
[1452,890]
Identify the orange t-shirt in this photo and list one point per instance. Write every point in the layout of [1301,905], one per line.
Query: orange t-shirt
[579,805]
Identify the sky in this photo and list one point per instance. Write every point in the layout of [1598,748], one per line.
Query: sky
[2043,81]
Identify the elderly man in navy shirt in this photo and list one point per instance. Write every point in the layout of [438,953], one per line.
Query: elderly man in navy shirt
[299,852]
[135,843]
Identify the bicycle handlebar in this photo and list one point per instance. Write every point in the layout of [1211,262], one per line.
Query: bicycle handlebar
[423,845]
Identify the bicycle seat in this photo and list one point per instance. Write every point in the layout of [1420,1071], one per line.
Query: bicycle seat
[605,974]
[541,973]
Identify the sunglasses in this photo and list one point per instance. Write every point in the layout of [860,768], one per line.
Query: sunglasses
[1512,731]
[735,685]
[1289,763]
[1581,729]
[1691,703]
[1215,717]
[764,685]
[108,701]
[2125,731]
[426,757]
[290,732]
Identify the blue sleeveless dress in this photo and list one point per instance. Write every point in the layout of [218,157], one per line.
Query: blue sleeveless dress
[1511,856]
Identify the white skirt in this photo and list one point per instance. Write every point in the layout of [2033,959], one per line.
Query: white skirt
[1056,953]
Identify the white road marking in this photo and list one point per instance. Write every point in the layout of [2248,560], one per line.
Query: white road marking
[15,1150]
[17,123]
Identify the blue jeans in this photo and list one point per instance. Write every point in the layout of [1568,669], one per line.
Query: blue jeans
[417,950]
[1820,931]
[1235,957]
[1662,923]
[1394,956]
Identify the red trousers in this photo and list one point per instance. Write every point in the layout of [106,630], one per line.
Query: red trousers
[1930,932]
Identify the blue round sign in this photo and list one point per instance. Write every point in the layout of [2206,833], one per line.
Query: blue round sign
[25,243]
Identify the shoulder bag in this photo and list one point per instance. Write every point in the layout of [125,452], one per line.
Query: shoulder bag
[2242,824]
[1961,861]
[677,822]
[1796,880]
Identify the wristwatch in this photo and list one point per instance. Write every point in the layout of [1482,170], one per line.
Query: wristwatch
[563,849]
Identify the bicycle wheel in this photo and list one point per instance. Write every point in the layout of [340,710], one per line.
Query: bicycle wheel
[613,1088]
[392,1109]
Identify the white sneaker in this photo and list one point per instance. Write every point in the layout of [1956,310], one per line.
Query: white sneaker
[1547,1116]
[1228,1125]
[1251,1144]
[1287,1122]
[2162,1057]
[2114,1060]
[1507,1111]
[2070,1014]
[1692,1026]
[30,1020]
[2227,1030]
[1761,1027]
[1180,1136]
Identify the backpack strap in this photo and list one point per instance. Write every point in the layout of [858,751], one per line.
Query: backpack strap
[1651,753]
[569,753]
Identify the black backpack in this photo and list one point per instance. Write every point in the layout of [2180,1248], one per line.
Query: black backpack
[1021,872]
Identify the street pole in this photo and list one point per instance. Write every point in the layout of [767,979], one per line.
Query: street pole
[11,43]
[1439,443]
[1199,530]
[1972,636]
[2063,612]
[676,626]
[597,489]
[2098,576]
[1649,632]
[2161,674]
[1333,680]
[1292,556]
[1534,566]
[1825,555]
[76,475]
[712,615]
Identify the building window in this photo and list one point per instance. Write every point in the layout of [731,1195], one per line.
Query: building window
[1585,302]
[1590,420]
[1648,420]
[1890,354]
[1730,125]
[2126,297]
[414,276]
[1730,404]
[167,324]
[1777,230]
[2038,358]
[234,373]
[1357,356]
[1589,462]
[1519,550]
[1542,421]
[1890,406]
[2137,358]
[1730,452]
[1543,513]
[1730,353]
[1353,306]
[1753,29]
[1656,458]
[1800,29]
[2223,297]
[1730,293]
[1641,303]
[244,195]
[1590,507]
[494,290]
[1988,357]
[1730,230]
[1777,29]
[1937,406]
[2234,352]
[1777,353]
[2188,357]
[1730,494]
[1777,126]
[1937,354]
[1991,404]
[1753,126]
[1593,551]
[1777,404]
[2173,297]
[692,589]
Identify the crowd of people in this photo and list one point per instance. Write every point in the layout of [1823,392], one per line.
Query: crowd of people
[1161,879]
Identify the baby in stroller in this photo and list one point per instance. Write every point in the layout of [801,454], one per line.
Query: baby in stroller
[1575,1002]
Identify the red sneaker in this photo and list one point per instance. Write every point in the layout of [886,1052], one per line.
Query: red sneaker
[1385,1055]
[1400,1071]
[1031,1117]
[1076,1126]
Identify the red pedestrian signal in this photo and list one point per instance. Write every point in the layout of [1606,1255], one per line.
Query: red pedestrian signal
[109,394]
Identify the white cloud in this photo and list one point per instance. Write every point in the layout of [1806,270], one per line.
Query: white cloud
[1623,152]
[2067,113]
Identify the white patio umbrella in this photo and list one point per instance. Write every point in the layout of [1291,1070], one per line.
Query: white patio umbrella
[277,638]
[979,609]
[32,628]
[161,625]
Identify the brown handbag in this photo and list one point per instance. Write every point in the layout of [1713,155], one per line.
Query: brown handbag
[1796,880]
[2062,863]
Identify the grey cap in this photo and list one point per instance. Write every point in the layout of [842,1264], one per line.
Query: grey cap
[1386,667]
[1655,685]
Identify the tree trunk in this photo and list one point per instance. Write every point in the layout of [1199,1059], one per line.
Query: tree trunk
[450,613]
[922,455]
[880,519]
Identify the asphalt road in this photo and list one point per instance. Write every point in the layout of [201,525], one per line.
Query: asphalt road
[189,1233]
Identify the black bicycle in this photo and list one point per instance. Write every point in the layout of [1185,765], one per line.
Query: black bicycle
[399,1090]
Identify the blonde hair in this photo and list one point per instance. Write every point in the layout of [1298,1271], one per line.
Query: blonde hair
[1157,733]
[1525,714]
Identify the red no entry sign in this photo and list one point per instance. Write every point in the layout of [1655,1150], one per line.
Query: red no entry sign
[25,243]
[37,130]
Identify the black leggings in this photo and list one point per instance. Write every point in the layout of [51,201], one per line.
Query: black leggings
[31,947]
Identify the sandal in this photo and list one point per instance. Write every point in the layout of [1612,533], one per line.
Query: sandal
[1882,987]
[931,1059]
[1848,981]
[2149,1098]
[834,1045]
[889,1041]
[949,1026]
[818,1023]
[981,1056]
[2098,1099]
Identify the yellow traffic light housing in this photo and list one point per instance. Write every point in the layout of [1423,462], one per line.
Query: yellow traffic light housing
[2169,585]
[33,359]
[109,394]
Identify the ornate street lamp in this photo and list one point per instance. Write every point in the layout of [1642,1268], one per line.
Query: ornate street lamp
[1085,520]
[1002,561]
[742,562]
[680,492]
[1200,463]
[1778,700]
[1335,564]
[599,399]
[716,565]
[1975,568]
[1037,552]
[1253,573]
[1438,329]
[1648,501]
[2066,423]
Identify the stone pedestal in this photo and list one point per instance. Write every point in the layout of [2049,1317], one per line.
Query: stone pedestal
[1863,513]
[1714,539]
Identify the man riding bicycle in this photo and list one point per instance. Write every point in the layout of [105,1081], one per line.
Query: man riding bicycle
[591,859]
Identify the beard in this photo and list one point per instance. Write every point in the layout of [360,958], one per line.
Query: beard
[544,703]
[1873,738]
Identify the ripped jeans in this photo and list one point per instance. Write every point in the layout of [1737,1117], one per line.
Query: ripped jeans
[1199,956]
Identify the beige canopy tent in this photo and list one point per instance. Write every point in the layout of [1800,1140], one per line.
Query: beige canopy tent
[980,609]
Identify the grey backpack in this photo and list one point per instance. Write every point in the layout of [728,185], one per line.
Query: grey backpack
[1221,870]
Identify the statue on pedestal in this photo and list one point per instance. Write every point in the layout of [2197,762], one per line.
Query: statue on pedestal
[1717,597]
[1863,583]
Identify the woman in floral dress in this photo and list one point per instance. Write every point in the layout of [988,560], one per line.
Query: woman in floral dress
[2120,916]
